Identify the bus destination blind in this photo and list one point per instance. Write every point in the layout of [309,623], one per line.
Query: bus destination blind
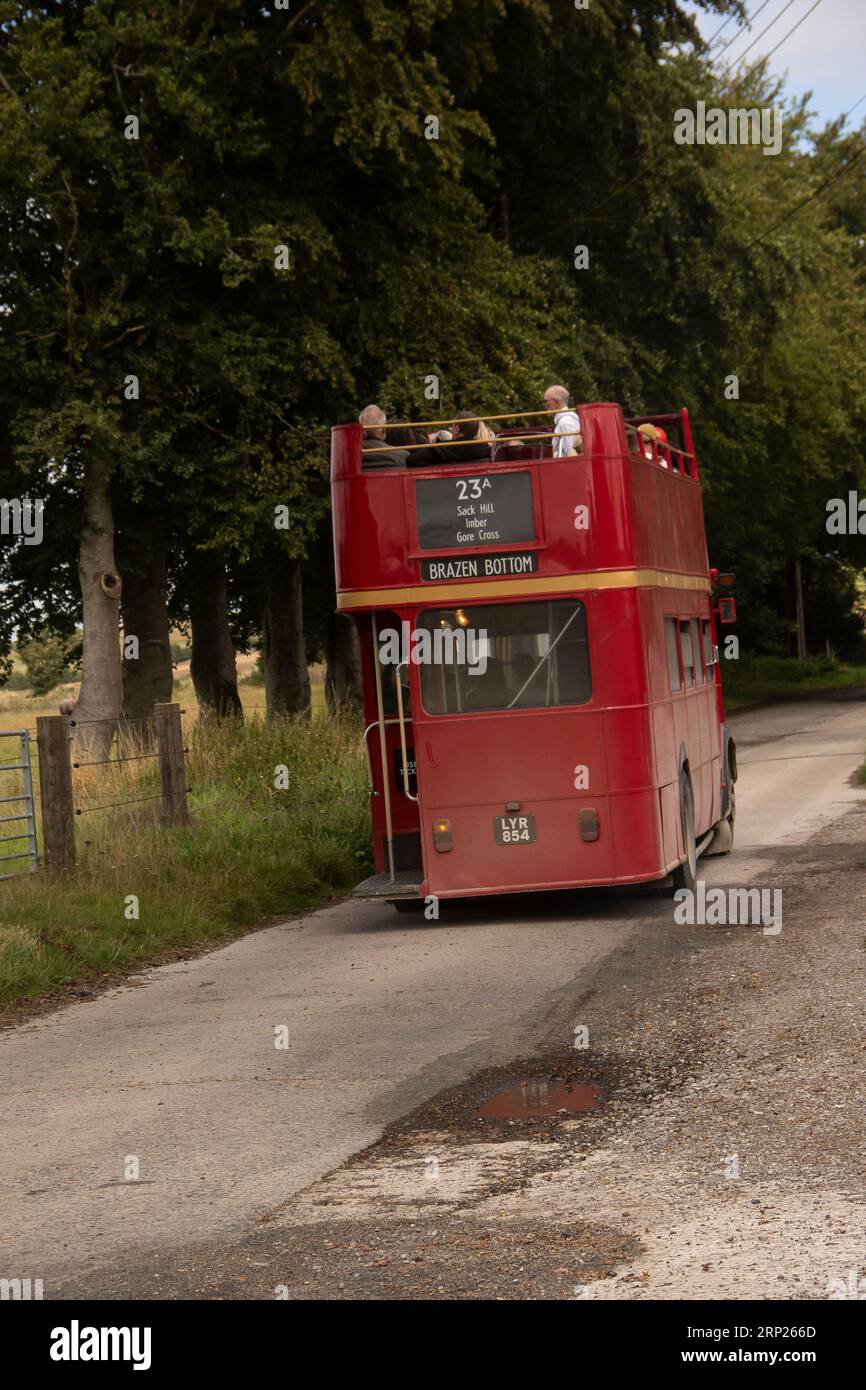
[460,513]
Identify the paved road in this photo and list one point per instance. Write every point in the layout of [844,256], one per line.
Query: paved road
[179,1070]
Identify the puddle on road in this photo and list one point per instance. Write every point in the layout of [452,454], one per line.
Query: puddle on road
[534,1098]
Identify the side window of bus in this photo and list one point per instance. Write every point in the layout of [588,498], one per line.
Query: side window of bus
[673,654]
[688,655]
[706,636]
[700,673]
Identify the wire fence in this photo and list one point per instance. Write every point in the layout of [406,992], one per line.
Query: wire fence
[108,768]
[125,734]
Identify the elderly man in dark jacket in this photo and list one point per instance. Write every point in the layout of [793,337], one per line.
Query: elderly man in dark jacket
[373,419]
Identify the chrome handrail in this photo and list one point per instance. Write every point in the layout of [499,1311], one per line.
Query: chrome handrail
[369,729]
[402,722]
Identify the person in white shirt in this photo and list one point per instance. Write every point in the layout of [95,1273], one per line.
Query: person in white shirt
[566,423]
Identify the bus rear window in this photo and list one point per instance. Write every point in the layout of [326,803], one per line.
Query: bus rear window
[506,656]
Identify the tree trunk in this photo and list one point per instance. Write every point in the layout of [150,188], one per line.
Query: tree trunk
[100,696]
[801,612]
[147,678]
[504,219]
[287,679]
[343,684]
[213,670]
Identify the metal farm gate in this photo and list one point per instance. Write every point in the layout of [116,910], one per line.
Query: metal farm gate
[16,799]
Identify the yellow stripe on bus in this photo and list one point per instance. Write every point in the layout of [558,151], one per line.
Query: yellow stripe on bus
[469,590]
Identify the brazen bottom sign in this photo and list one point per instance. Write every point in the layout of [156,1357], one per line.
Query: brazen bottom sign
[480,566]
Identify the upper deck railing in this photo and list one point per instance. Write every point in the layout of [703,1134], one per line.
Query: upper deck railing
[519,443]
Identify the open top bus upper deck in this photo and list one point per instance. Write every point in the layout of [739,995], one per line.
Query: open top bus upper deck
[623,511]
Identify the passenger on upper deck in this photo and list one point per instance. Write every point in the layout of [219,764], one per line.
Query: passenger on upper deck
[424,453]
[468,444]
[372,417]
[662,446]
[655,444]
[566,423]
[472,445]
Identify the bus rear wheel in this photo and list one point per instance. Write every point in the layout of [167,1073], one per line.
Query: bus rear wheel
[686,875]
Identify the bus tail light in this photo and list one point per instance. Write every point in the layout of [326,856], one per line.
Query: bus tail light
[443,839]
[588,822]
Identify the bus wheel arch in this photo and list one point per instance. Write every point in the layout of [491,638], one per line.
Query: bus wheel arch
[729,764]
[732,786]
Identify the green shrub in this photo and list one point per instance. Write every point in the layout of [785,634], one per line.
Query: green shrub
[48,658]
[758,677]
[17,680]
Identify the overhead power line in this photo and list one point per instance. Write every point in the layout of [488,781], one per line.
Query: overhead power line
[651,164]
[724,24]
[847,113]
[768,56]
[816,193]
[757,39]
[747,24]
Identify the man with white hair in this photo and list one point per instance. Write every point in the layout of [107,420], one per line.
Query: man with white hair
[373,419]
[566,423]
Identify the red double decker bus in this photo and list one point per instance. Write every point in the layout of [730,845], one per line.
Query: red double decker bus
[541,674]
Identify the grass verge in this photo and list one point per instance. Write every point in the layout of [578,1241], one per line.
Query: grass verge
[762,677]
[252,851]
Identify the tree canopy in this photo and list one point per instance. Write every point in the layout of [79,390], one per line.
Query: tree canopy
[226,227]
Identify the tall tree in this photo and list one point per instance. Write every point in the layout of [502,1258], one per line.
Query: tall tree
[147,665]
[226,227]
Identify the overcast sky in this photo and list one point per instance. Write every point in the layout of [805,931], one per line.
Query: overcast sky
[826,55]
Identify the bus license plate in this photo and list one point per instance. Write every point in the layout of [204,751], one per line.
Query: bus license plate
[514,830]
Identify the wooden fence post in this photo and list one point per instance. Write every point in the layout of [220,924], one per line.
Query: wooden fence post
[169,733]
[55,783]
